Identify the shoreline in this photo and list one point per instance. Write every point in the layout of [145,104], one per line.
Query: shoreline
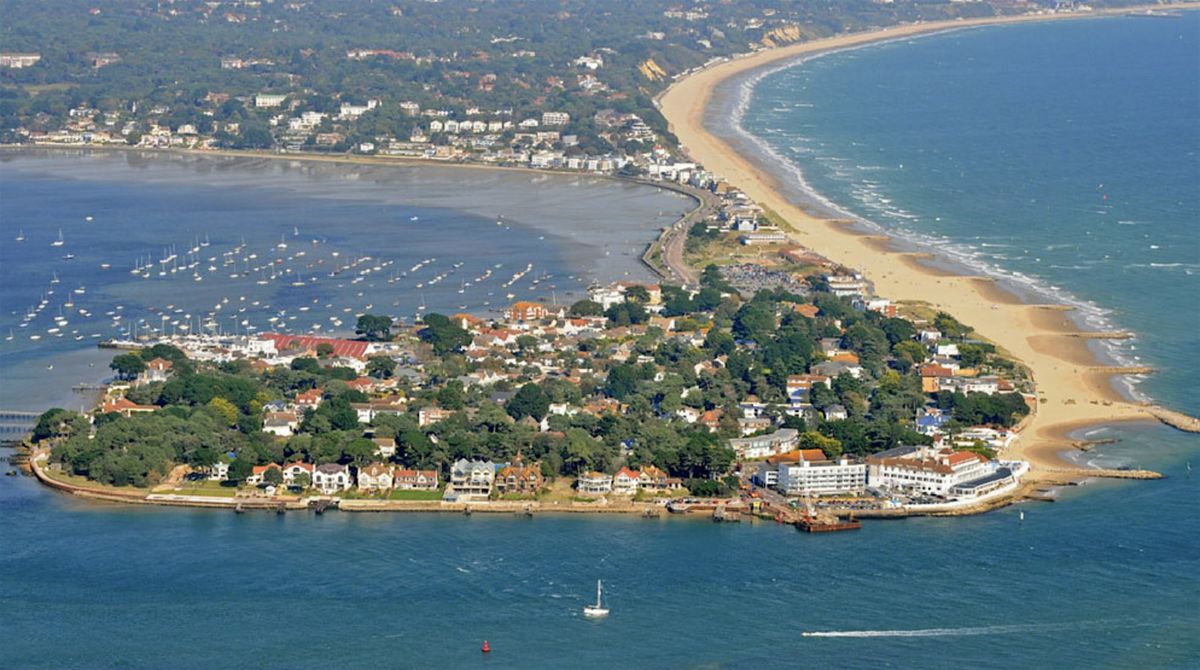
[1074,390]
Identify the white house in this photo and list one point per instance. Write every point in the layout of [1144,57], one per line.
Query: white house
[332,478]
[626,481]
[472,479]
[218,472]
[293,470]
[375,477]
[594,483]
[762,446]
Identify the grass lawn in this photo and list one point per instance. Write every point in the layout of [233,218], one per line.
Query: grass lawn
[204,488]
[76,480]
[400,494]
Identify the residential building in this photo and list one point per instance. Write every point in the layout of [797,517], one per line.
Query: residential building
[258,474]
[427,416]
[517,477]
[293,470]
[218,471]
[17,61]
[332,478]
[594,483]
[264,100]
[626,481]
[762,446]
[472,478]
[385,447]
[281,424]
[415,480]
[375,478]
[652,478]
[125,407]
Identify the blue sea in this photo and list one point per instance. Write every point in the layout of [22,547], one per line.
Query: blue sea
[1005,134]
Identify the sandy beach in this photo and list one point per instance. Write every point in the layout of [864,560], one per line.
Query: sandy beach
[1072,392]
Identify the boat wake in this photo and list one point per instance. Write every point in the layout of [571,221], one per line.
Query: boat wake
[954,632]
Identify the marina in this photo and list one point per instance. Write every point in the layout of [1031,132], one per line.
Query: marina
[209,274]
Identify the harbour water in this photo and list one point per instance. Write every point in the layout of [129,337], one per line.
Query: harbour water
[267,245]
[1107,577]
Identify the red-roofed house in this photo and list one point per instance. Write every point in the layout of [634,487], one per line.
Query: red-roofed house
[157,370]
[293,470]
[258,473]
[125,407]
[347,348]
[626,481]
[416,480]
[310,399]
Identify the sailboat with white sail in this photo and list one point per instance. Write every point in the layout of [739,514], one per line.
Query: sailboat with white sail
[598,610]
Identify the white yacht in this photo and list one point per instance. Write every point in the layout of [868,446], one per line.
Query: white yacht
[598,610]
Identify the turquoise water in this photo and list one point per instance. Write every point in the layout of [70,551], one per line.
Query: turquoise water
[1105,578]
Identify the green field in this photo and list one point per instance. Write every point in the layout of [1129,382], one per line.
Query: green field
[415,495]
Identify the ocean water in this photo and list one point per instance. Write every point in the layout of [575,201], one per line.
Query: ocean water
[471,232]
[1063,157]
[1105,578]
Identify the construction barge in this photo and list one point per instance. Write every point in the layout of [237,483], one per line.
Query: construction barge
[825,524]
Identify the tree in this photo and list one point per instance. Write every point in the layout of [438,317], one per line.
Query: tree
[324,350]
[227,410]
[128,366]
[831,447]
[58,422]
[949,326]
[240,469]
[530,400]
[443,334]
[971,355]
[622,381]
[898,330]
[380,367]
[374,328]
[273,476]
[452,395]
[359,451]
[638,294]
[586,308]
[302,480]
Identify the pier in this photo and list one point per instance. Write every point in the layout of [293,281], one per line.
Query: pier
[1073,474]
[14,424]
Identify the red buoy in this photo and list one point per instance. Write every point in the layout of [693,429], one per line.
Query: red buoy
[486,647]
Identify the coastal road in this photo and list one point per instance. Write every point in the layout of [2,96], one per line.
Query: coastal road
[672,243]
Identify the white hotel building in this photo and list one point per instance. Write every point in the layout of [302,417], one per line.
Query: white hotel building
[926,470]
[819,478]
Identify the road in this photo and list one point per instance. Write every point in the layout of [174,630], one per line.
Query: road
[673,239]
